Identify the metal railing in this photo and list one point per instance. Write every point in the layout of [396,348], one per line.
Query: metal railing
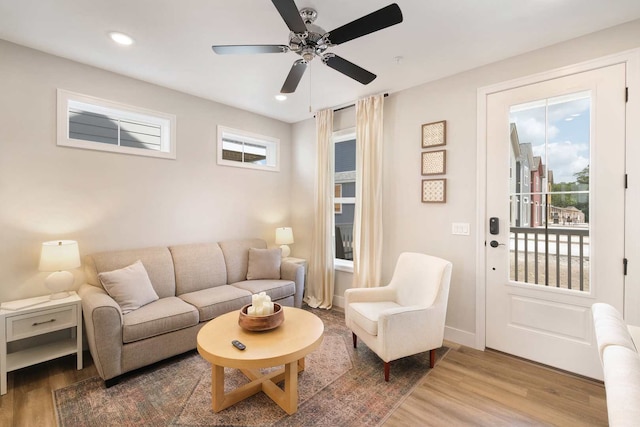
[346,238]
[554,256]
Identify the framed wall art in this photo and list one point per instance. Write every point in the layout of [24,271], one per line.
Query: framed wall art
[434,190]
[434,134]
[434,162]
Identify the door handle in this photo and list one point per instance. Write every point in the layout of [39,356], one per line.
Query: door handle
[495,244]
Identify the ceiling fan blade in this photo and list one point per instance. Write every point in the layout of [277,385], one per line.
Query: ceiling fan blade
[291,16]
[249,49]
[349,69]
[295,74]
[383,18]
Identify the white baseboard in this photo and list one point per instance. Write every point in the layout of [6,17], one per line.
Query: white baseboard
[338,301]
[459,336]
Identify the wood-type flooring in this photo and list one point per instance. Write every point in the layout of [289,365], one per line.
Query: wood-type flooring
[467,387]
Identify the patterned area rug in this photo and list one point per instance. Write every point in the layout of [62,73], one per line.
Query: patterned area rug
[340,386]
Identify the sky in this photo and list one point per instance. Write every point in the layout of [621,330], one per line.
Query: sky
[562,141]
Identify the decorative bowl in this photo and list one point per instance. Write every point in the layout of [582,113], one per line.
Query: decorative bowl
[261,323]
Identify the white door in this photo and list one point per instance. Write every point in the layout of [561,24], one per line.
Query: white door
[555,189]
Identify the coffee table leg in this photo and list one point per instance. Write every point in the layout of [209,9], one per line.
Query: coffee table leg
[217,387]
[291,387]
[286,398]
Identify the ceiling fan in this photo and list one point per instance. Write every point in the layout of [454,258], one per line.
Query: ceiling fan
[309,40]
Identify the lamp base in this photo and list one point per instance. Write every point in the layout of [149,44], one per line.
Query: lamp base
[58,283]
[286,251]
[59,295]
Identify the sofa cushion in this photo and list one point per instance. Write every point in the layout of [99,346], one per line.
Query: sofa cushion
[276,289]
[159,317]
[264,264]
[129,286]
[213,302]
[157,262]
[366,314]
[236,257]
[198,266]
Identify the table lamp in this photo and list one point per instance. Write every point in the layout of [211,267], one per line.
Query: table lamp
[59,256]
[284,237]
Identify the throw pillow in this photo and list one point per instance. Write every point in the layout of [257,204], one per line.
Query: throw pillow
[264,264]
[130,286]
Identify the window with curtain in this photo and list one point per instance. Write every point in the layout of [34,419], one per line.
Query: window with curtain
[344,180]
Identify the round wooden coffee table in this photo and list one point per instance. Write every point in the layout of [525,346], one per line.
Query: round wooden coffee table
[288,344]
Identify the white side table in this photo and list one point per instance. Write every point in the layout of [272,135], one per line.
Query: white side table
[24,330]
[303,263]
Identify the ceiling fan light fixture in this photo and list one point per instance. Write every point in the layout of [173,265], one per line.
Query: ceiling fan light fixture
[281,97]
[121,38]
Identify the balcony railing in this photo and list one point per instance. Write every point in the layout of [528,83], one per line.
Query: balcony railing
[344,241]
[554,256]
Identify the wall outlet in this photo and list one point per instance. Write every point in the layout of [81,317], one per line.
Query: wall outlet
[460,228]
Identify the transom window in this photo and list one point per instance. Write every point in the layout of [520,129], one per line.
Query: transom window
[244,149]
[97,124]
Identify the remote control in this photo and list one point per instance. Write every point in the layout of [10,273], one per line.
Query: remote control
[237,344]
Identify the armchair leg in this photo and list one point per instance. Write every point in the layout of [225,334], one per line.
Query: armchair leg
[432,356]
[355,340]
[387,367]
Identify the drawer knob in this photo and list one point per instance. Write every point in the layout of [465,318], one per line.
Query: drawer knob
[42,323]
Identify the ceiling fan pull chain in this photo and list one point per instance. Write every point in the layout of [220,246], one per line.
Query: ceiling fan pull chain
[310,89]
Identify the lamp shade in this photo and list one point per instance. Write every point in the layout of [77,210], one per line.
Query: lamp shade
[59,255]
[284,236]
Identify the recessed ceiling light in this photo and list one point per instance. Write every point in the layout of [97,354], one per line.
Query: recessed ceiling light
[121,38]
[281,97]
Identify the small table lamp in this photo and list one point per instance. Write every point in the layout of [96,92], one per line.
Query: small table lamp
[59,256]
[284,237]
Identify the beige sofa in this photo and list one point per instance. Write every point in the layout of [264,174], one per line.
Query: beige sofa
[194,283]
[618,346]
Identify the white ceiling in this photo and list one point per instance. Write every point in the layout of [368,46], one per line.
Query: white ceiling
[173,42]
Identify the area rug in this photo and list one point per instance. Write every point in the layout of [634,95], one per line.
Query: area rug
[340,386]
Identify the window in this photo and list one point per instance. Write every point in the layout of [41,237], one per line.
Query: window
[345,195]
[246,150]
[97,124]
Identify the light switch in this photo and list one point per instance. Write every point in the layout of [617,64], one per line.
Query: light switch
[460,228]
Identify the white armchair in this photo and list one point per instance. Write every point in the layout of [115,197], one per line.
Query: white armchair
[405,317]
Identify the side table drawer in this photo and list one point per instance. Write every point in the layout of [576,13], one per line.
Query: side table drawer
[28,325]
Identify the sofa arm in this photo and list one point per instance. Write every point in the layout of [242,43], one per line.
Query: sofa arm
[295,273]
[103,326]
[621,367]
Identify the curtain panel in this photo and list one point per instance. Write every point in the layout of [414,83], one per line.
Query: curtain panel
[367,232]
[319,292]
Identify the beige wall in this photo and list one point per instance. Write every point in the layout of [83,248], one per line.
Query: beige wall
[111,201]
[410,225]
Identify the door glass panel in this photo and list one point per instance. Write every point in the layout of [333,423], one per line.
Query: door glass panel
[549,191]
